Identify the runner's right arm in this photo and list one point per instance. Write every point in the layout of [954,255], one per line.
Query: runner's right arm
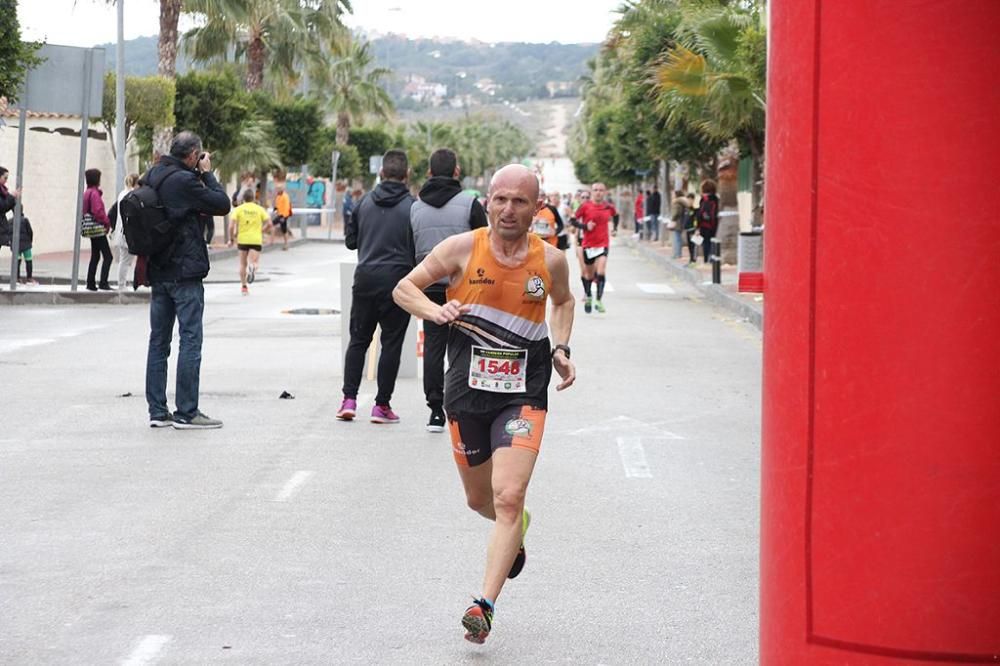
[447,258]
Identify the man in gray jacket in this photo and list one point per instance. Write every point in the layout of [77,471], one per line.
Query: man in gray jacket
[442,211]
[379,230]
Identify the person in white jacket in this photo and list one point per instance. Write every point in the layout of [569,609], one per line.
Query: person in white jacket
[125,260]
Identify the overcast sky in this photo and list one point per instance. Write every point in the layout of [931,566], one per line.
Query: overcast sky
[90,22]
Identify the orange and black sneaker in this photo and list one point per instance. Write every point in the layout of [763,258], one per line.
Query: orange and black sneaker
[478,620]
[521,556]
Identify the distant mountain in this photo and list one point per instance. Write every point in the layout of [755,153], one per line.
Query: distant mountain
[430,71]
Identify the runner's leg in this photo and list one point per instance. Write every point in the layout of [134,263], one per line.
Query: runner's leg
[243,267]
[512,468]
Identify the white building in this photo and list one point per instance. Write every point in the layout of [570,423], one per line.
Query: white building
[51,164]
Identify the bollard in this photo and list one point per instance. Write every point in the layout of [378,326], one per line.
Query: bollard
[751,262]
[716,258]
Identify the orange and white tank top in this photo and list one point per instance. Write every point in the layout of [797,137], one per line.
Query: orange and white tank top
[499,352]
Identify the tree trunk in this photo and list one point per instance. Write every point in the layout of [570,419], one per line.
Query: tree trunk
[166,66]
[343,127]
[256,52]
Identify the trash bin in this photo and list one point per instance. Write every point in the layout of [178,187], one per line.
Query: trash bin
[750,259]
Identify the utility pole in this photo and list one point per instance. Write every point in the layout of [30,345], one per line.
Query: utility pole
[120,101]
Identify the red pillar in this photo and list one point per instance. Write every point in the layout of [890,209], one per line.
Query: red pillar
[880,535]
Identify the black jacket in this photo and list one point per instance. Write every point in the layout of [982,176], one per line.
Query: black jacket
[186,195]
[379,229]
[439,190]
[7,233]
[653,204]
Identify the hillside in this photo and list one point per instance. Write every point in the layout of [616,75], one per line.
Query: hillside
[435,72]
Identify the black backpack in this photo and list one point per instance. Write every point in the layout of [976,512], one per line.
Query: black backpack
[144,219]
[708,212]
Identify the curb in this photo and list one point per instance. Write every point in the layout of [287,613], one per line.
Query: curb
[715,294]
[73,298]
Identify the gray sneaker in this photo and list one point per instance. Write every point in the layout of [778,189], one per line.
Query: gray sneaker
[164,421]
[199,422]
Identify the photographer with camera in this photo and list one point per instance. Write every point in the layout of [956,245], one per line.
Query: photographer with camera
[187,190]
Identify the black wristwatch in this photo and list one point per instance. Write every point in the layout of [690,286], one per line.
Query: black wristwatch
[564,348]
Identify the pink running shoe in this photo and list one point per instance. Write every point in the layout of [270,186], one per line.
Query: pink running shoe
[384,414]
[348,409]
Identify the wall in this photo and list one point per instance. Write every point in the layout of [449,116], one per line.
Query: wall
[51,161]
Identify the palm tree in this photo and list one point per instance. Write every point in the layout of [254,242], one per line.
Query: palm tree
[276,37]
[353,88]
[715,79]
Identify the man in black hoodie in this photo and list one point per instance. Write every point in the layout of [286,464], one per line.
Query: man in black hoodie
[379,230]
[187,190]
[442,211]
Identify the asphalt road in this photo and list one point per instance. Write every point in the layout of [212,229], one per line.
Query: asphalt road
[290,538]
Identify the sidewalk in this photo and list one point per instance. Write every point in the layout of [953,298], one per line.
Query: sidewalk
[746,305]
[54,272]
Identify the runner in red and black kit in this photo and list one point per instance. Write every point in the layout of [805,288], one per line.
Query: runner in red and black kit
[593,218]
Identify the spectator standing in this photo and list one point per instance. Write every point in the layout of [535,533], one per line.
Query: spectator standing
[8,199]
[677,219]
[187,189]
[100,249]
[707,217]
[653,213]
[379,229]
[640,213]
[24,241]
[282,213]
[125,260]
[688,223]
[443,210]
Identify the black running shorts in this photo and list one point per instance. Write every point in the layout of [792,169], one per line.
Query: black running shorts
[590,260]
[245,248]
[474,438]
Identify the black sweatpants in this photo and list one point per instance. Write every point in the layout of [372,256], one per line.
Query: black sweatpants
[368,309]
[708,235]
[435,346]
[99,249]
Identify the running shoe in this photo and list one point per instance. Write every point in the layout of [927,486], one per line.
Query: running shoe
[437,420]
[587,304]
[164,421]
[384,414]
[478,620]
[521,556]
[199,422]
[348,409]
[244,290]
[599,306]
[251,271]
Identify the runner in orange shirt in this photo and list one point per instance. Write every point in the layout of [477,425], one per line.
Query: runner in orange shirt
[500,363]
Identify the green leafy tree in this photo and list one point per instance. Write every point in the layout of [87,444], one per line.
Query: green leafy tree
[17,57]
[277,37]
[213,105]
[254,151]
[149,101]
[349,165]
[369,141]
[296,129]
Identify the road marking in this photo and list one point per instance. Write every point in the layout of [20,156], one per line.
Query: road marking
[147,650]
[655,288]
[293,485]
[628,424]
[633,458]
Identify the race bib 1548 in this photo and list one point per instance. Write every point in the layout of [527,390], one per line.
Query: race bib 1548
[498,370]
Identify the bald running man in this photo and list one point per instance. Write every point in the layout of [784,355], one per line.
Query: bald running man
[500,363]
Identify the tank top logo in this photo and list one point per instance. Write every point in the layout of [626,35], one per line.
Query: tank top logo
[481,278]
[535,288]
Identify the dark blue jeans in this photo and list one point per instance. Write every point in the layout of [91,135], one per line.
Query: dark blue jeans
[185,302]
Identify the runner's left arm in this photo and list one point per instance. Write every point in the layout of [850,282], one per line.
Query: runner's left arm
[561,316]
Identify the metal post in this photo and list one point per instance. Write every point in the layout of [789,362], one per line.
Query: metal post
[88,70]
[15,239]
[119,101]
[716,258]
[334,159]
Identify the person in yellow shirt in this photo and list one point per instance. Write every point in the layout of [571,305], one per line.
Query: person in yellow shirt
[247,225]
[282,213]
